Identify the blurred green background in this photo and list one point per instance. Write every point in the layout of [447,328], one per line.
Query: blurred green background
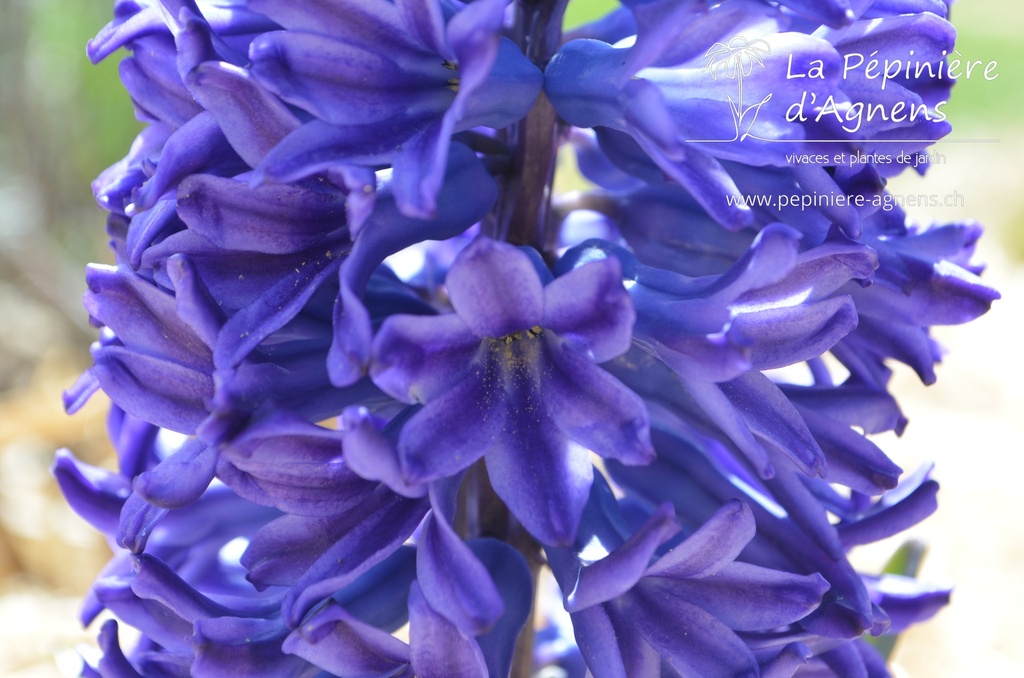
[63,120]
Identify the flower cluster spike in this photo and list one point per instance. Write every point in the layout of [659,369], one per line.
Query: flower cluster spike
[376,388]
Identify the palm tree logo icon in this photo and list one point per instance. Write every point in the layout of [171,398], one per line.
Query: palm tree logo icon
[735,60]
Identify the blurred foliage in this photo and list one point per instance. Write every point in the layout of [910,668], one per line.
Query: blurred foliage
[62,120]
[987,32]
[64,80]
[582,11]
[906,561]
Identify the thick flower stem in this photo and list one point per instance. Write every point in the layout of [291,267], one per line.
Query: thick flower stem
[482,513]
[525,201]
[522,659]
[524,205]
[522,213]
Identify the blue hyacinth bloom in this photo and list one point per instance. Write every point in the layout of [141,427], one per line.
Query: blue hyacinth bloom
[384,405]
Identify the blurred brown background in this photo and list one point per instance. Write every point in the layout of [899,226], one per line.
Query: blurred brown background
[63,120]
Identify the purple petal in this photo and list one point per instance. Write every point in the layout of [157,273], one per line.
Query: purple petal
[599,642]
[495,289]
[118,33]
[272,218]
[499,84]
[75,397]
[236,278]
[619,571]
[149,226]
[542,477]
[886,336]
[318,146]
[942,294]
[473,35]
[424,22]
[134,440]
[150,75]
[720,410]
[153,619]
[179,479]
[844,660]
[591,309]
[95,494]
[142,316]
[348,20]
[595,166]
[638,656]
[452,431]
[508,569]
[197,42]
[854,405]
[770,415]
[380,597]
[892,519]
[339,643]
[816,274]
[750,598]
[790,335]
[195,305]
[716,543]
[709,183]
[252,119]
[662,25]
[853,460]
[455,583]
[691,640]
[164,393]
[419,170]
[234,645]
[136,523]
[372,454]
[787,662]
[714,357]
[114,664]
[386,524]
[389,231]
[197,146]
[771,257]
[906,600]
[416,358]
[284,550]
[594,409]
[275,306]
[286,462]
[346,84]
[804,508]
[154,580]
[438,647]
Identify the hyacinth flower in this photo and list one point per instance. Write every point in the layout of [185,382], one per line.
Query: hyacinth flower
[539,405]
[652,89]
[384,405]
[635,598]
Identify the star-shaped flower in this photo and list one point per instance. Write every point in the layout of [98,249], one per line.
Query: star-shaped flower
[510,377]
